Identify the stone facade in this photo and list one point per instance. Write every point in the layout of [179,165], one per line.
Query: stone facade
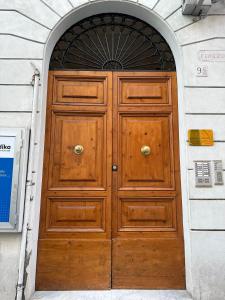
[26,28]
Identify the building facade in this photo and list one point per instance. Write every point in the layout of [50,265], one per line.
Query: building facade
[29,32]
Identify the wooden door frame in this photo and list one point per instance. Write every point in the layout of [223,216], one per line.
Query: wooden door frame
[155,20]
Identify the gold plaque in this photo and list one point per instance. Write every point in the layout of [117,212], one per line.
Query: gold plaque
[200,137]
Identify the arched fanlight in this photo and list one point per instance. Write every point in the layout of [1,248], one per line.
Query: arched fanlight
[112,42]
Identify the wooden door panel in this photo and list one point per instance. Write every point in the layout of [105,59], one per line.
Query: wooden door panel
[137,170]
[147,214]
[79,246]
[76,214]
[79,89]
[74,248]
[148,264]
[143,90]
[69,170]
[147,241]
[69,264]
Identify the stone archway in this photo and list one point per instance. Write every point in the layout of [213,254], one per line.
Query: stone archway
[153,19]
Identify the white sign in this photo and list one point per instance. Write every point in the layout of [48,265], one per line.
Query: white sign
[7,145]
[212,55]
[202,71]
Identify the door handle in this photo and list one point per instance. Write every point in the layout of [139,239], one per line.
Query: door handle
[78,149]
[145,150]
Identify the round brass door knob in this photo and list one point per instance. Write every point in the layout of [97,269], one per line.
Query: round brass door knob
[145,150]
[78,149]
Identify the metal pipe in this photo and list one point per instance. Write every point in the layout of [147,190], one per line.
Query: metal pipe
[29,187]
[197,10]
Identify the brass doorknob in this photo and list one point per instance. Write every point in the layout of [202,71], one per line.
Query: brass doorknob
[145,150]
[78,149]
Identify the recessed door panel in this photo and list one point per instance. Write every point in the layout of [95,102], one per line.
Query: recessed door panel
[153,168]
[147,214]
[76,214]
[143,91]
[76,89]
[71,168]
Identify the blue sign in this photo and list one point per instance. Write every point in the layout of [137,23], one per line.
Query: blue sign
[6,175]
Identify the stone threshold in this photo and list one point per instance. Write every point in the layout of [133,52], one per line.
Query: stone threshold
[114,295]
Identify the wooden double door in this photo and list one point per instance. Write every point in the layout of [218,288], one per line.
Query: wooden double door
[111,213]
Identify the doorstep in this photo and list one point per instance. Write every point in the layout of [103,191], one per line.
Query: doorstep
[114,295]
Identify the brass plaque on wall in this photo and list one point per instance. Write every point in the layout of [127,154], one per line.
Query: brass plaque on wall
[200,137]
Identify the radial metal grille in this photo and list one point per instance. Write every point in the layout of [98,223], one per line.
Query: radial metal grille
[112,42]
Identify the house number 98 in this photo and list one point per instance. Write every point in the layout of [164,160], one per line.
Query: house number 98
[202,71]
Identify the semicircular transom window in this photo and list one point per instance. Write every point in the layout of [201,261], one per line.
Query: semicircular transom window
[112,42]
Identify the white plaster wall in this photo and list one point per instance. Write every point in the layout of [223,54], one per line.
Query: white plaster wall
[9,252]
[24,30]
[208,267]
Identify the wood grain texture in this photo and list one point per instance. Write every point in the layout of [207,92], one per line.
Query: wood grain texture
[144,91]
[73,265]
[74,249]
[73,90]
[101,229]
[147,247]
[76,214]
[147,264]
[69,170]
[139,171]
[147,214]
